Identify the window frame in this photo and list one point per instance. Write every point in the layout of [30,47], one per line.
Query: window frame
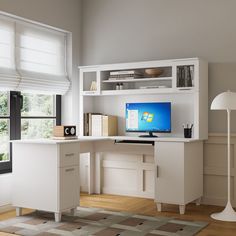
[14,116]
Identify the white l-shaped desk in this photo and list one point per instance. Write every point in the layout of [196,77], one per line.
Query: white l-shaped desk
[46,171]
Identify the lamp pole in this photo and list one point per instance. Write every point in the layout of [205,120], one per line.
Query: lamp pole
[228,153]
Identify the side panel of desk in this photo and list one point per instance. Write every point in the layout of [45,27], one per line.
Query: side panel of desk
[46,176]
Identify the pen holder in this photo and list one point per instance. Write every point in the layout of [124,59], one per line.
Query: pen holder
[188,132]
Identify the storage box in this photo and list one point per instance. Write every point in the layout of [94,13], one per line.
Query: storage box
[109,125]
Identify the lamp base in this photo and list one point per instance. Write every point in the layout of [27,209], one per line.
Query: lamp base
[228,214]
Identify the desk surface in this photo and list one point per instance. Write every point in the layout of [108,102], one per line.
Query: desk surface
[90,138]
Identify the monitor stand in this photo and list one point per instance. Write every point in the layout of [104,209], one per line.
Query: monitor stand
[150,135]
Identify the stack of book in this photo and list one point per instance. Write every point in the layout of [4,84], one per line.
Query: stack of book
[185,76]
[125,74]
[99,125]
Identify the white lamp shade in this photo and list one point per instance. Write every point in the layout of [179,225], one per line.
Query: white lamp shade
[224,101]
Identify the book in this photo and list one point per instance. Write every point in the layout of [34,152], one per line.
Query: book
[96,125]
[185,76]
[123,78]
[109,125]
[93,86]
[125,72]
[88,123]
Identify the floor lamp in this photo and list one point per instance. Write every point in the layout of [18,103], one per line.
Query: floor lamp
[226,101]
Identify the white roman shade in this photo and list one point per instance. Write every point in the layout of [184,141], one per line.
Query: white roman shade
[32,58]
[9,78]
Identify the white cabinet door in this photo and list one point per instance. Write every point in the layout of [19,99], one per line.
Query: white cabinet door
[69,187]
[169,160]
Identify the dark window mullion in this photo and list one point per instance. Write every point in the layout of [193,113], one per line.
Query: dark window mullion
[58,109]
[15,115]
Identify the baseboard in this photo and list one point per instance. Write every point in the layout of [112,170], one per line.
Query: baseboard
[6,208]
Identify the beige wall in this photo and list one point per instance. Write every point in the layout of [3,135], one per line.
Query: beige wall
[64,14]
[137,30]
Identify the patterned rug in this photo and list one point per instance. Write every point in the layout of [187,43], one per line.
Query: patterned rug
[99,222]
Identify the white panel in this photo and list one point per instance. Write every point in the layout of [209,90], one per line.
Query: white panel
[84,172]
[216,155]
[116,180]
[215,170]
[216,187]
[182,109]
[148,181]
[148,159]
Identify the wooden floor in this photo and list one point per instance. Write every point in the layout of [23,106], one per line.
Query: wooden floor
[147,207]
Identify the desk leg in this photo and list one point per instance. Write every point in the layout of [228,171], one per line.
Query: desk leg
[72,211]
[181,209]
[57,216]
[198,201]
[91,171]
[158,206]
[98,160]
[18,211]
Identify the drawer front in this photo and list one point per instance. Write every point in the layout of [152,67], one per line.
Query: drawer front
[69,154]
[69,187]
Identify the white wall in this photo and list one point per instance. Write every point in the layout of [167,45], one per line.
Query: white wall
[136,30]
[64,14]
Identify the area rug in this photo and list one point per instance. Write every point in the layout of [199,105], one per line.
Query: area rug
[99,222]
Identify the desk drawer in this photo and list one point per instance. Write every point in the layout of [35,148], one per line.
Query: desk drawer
[69,154]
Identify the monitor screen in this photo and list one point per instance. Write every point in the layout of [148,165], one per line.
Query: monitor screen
[148,117]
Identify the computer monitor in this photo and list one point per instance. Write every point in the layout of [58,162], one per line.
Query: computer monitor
[148,117]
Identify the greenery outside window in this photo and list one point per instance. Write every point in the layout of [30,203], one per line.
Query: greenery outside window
[38,116]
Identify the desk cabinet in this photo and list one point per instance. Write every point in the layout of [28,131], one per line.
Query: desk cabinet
[46,177]
[179,173]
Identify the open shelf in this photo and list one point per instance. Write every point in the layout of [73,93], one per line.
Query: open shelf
[137,80]
[90,93]
[138,91]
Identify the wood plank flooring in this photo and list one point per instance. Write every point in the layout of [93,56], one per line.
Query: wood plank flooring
[147,207]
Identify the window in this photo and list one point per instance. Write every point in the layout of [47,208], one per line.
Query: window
[38,116]
[25,116]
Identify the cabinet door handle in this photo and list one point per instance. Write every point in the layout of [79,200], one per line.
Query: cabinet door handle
[157,172]
[70,169]
[69,154]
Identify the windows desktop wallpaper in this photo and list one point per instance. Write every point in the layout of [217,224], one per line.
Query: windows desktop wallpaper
[147,117]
